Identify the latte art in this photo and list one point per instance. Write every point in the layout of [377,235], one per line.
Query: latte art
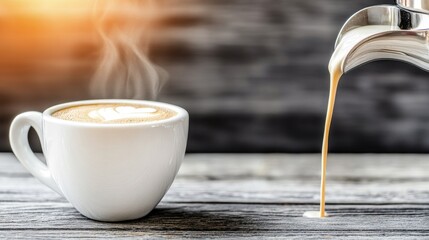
[114,113]
[124,112]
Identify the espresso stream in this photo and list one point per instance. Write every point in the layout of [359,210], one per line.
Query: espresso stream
[348,43]
[335,78]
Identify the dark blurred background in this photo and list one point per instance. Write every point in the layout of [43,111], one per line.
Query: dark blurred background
[252,74]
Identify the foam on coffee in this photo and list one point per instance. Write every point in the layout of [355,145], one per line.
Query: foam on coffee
[114,113]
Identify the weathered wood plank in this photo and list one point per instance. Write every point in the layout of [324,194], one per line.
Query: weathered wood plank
[274,166]
[243,196]
[220,220]
[250,191]
[130,234]
[363,179]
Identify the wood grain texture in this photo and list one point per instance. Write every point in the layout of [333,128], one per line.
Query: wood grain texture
[220,220]
[249,196]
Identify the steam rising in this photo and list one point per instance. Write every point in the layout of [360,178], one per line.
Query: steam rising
[124,70]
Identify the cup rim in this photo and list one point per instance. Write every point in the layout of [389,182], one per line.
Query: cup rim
[181,114]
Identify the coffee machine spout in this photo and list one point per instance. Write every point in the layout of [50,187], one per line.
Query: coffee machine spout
[385,32]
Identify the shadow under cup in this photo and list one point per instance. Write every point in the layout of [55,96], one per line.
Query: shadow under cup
[108,172]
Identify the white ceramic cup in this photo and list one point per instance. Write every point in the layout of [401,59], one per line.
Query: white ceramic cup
[108,172]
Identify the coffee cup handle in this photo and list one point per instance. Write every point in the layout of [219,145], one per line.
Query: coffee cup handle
[18,137]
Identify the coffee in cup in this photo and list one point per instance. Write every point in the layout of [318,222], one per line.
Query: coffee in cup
[113,160]
[114,113]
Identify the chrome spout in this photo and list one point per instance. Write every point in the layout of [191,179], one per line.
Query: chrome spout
[400,34]
[414,5]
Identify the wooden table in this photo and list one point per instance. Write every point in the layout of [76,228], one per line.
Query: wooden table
[249,196]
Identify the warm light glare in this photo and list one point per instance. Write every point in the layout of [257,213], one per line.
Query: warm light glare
[50,41]
[49,7]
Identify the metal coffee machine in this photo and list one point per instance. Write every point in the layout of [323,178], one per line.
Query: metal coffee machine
[403,36]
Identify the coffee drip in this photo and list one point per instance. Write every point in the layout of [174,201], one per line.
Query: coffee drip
[379,32]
